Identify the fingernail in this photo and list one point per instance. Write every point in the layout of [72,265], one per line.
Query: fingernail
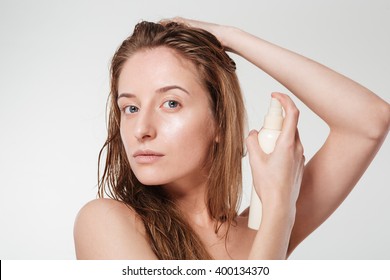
[252,131]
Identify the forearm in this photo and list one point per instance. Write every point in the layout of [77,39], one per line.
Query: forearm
[342,103]
[272,239]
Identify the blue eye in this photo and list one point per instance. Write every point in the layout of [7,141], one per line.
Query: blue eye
[171,104]
[130,109]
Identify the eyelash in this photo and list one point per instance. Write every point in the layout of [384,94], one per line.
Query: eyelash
[176,102]
[124,109]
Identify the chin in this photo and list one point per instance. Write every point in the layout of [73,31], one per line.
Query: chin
[151,178]
[149,182]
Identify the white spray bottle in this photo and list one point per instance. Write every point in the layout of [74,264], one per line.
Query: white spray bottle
[268,135]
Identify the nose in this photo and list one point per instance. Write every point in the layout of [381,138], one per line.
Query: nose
[145,127]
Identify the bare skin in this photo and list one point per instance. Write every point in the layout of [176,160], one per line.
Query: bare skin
[296,198]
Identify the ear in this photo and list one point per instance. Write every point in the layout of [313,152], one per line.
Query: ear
[217,137]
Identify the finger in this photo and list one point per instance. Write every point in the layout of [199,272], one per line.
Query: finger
[188,22]
[299,151]
[179,20]
[256,154]
[298,143]
[299,175]
[291,115]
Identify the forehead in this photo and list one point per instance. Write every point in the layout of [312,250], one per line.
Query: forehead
[158,66]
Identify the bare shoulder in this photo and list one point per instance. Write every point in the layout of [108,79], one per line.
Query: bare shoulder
[103,207]
[109,229]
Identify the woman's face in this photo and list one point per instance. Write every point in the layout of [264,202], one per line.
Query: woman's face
[166,124]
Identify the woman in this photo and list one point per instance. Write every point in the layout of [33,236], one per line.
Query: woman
[175,144]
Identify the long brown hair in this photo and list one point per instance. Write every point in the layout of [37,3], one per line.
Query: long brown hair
[171,237]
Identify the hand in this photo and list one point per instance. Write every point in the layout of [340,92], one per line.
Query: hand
[277,177]
[215,29]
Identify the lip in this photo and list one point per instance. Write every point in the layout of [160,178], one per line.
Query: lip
[147,156]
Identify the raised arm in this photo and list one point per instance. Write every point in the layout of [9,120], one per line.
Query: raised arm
[358,120]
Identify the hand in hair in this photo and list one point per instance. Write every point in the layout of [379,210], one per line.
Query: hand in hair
[215,29]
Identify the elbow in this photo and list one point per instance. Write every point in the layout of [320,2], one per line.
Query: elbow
[380,123]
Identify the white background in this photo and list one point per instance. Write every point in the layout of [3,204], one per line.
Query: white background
[54,62]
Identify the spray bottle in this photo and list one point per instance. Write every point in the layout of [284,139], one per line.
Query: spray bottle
[267,137]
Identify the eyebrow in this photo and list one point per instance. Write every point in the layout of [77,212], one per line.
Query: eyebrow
[160,90]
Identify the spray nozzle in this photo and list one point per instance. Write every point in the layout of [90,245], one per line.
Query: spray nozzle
[274,117]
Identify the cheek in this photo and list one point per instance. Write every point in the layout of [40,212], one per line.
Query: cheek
[188,136]
[172,130]
[126,138]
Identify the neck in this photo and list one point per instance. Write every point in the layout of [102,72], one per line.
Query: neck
[191,200]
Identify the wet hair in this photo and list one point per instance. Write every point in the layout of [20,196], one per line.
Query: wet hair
[170,236]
